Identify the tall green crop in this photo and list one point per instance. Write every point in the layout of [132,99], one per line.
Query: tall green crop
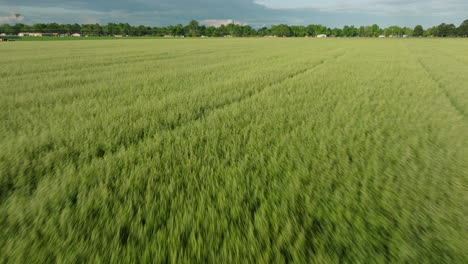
[234,150]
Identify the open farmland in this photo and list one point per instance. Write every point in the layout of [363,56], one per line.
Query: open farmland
[234,150]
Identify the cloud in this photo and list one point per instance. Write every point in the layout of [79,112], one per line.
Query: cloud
[252,12]
[152,12]
[11,18]
[431,7]
[219,22]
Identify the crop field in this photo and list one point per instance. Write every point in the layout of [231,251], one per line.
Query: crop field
[234,151]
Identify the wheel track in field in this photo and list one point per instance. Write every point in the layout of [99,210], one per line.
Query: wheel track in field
[442,88]
[109,65]
[141,136]
[121,60]
[439,84]
[206,111]
[465,63]
[454,57]
[102,65]
[210,109]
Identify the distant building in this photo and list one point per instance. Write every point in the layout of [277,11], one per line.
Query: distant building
[25,34]
[321,36]
[50,34]
[118,36]
[76,35]
[382,36]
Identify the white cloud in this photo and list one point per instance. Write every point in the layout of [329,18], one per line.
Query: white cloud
[219,22]
[12,18]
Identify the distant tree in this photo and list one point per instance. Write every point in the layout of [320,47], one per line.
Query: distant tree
[20,27]
[264,31]
[418,31]
[311,31]
[337,32]
[350,31]
[248,31]
[203,30]
[281,30]
[376,31]
[7,29]
[53,28]
[126,29]
[15,29]
[141,31]
[368,31]
[446,30]
[88,29]
[193,29]
[362,31]
[233,30]
[463,29]
[211,31]
[408,31]
[112,29]
[298,31]
[319,29]
[178,30]
[76,28]
[67,29]
[97,30]
[222,31]
[160,31]
[394,31]
[431,32]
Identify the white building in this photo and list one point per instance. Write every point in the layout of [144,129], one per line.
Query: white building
[382,36]
[23,34]
[76,35]
[321,36]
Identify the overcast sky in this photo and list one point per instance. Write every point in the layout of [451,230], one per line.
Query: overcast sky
[332,13]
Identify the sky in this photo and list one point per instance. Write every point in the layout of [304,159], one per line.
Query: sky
[256,13]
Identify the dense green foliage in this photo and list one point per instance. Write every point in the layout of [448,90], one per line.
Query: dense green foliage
[234,151]
[194,29]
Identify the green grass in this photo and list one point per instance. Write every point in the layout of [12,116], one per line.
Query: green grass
[234,151]
[86,38]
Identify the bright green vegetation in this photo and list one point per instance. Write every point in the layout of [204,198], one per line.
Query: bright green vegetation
[234,151]
[86,38]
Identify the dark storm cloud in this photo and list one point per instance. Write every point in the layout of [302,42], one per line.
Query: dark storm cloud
[165,12]
[159,12]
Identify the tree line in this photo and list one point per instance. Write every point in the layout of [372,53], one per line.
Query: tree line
[195,29]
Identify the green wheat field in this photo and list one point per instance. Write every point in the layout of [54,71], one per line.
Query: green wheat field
[234,151]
